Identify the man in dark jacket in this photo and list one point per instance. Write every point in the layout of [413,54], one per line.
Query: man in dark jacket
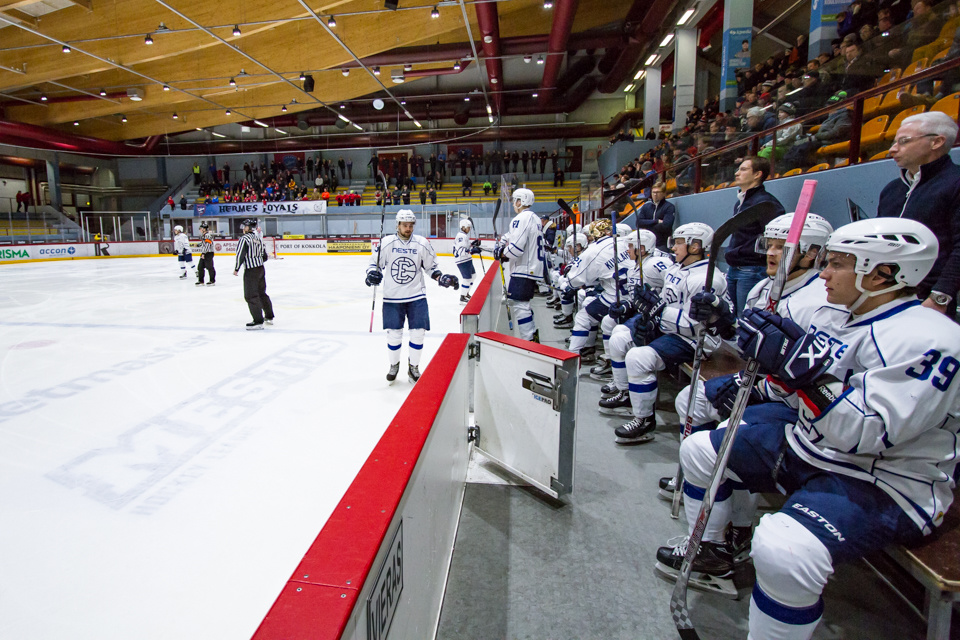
[657,215]
[928,191]
[746,267]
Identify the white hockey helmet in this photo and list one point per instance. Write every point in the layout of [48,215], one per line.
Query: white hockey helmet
[466,224]
[406,215]
[642,238]
[178,229]
[694,231]
[581,239]
[815,231]
[907,244]
[523,196]
[623,230]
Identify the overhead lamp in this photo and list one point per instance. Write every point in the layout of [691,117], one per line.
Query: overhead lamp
[66,49]
[236,29]
[417,122]
[535,95]
[175,116]
[233,82]
[467,99]
[345,72]
[376,71]
[43,97]
[103,92]
[76,123]
[343,106]
[403,101]
[527,59]
[494,80]
[628,88]
[332,22]
[283,108]
[356,126]
[397,76]
[166,87]
[639,74]
[490,118]
[539,59]
[548,4]
[303,76]
[687,15]
[123,118]
[343,117]
[435,13]
[162,27]
[456,66]
[135,95]
[667,39]
[489,109]
[228,111]
[262,124]
[219,135]
[148,39]
[281,131]
[652,59]
[408,67]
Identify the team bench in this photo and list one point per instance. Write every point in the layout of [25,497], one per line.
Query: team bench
[934,562]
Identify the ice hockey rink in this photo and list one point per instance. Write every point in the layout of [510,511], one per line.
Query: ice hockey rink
[163,470]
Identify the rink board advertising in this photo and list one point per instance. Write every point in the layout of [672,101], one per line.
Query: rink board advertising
[348,246]
[383,601]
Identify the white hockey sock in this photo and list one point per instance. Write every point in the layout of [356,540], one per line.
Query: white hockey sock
[697,458]
[416,345]
[465,287]
[642,365]
[394,341]
[743,507]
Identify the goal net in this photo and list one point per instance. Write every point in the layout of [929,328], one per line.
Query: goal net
[270,244]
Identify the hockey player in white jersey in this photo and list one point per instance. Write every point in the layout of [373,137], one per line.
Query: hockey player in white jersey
[521,250]
[181,247]
[575,245]
[595,267]
[404,257]
[869,458]
[673,341]
[463,251]
[647,265]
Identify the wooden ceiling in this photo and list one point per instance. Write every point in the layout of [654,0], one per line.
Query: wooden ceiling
[197,55]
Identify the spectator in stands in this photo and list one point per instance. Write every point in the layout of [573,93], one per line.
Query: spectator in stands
[786,136]
[760,120]
[397,195]
[857,75]
[558,178]
[467,186]
[183,202]
[433,195]
[423,195]
[811,95]
[651,135]
[928,190]
[922,29]
[746,267]
[487,187]
[325,196]
[405,194]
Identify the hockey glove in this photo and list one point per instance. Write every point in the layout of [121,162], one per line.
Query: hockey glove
[476,250]
[782,347]
[722,391]
[373,278]
[475,243]
[620,312]
[643,331]
[449,281]
[814,399]
[647,299]
[713,311]
[498,253]
[564,268]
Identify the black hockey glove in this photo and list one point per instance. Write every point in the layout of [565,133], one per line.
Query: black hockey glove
[476,251]
[713,311]
[447,281]
[475,243]
[647,299]
[498,253]
[783,348]
[373,278]
[722,391]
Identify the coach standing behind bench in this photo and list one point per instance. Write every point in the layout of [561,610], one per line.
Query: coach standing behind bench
[928,191]
[656,215]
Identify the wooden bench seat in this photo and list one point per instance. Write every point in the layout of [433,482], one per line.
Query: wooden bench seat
[721,362]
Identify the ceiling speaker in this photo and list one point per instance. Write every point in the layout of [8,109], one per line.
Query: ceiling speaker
[308,84]
[391,4]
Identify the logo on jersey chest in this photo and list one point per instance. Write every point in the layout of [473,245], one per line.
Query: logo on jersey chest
[403,270]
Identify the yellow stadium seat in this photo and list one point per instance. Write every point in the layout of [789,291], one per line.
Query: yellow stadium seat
[887,78]
[940,56]
[883,155]
[949,105]
[792,172]
[872,129]
[842,163]
[671,185]
[915,66]
[818,167]
[895,124]
[723,185]
[710,188]
[871,106]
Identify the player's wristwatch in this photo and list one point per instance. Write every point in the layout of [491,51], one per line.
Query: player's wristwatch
[940,299]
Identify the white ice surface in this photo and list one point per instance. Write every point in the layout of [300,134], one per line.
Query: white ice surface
[162,470]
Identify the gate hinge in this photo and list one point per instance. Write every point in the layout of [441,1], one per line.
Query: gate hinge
[473,434]
[473,352]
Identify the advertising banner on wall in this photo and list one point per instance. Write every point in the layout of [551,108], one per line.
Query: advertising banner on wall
[348,246]
[257,209]
[736,54]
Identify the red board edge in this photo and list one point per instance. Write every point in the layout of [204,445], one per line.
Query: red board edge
[550,352]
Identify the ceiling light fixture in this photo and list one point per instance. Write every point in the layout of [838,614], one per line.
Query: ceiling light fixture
[43,97]
[76,123]
[343,106]
[103,92]
[233,82]
[527,59]
[283,108]
[489,109]
[281,131]
[548,4]
[262,124]
[539,59]
[135,95]
[166,87]
[639,74]
[236,29]
[687,15]
[228,111]
[148,39]
[162,27]
[490,118]
[652,59]
[467,99]
[345,72]
[456,66]
[219,135]
[417,122]
[343,117]
[332,22]
[303,76]
[66,49]
[535,95]
[402,101]
[376,71]
[493,80]
[628,88]
[435,13]
[408,67]
[123,118]
[356,126]
[667,39]
[175,116]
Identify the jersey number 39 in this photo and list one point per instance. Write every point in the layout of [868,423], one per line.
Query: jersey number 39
[945,372]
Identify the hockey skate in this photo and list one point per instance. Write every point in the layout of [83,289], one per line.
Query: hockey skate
[183,276]
[738,540]
[392,374]
[254,326]
[603,369]
[199,284]
[609,389]
[667,486]
[211,284]
[268,321]
[413,373]
[565,322]
[712,569]
[636,431]
[464,299]
[536,336]
[588,355]
[618,405]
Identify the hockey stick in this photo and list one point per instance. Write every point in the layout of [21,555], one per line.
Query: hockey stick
[749,216]
[616,256]
[678,599]
[383,213]
[474,227]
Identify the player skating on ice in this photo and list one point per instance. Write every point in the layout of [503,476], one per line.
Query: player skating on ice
[181,246]
[403,258]
[463,251]
[667,328]
[648,267]
[251,255]
[206,256]
[868,459]
[520,250]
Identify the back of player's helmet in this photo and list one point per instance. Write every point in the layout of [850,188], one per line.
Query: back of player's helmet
[524,197]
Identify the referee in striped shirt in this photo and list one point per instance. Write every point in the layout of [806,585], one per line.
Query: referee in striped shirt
[252,255]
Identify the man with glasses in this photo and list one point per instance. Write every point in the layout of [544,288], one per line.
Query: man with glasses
[928,190]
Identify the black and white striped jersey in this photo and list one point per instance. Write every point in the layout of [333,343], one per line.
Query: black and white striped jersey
[250,252]
[206,243]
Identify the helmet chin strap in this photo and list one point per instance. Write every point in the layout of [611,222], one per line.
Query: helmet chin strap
[865,295]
